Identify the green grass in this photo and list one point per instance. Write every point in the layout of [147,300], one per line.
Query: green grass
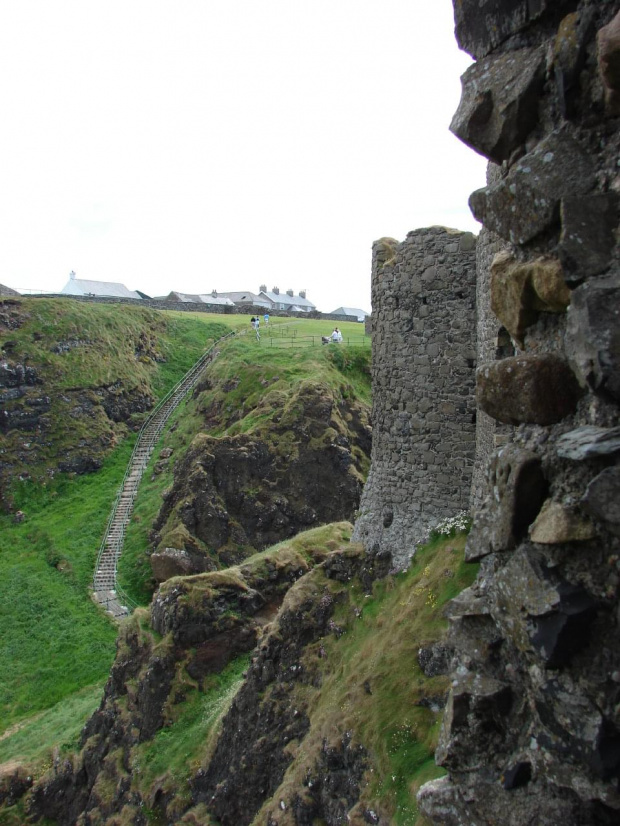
[54,640]
[58,727]
[372,679]
[176,751]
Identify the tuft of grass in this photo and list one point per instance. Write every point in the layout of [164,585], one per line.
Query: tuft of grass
[176,751]
[372,683]
[31,742]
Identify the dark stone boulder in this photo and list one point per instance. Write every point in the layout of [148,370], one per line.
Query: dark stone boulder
[593,334]
[497,108]
[481,25]
[608,42]
[527,201]
[602,498]
[435,659]
[172,562]
[569,55]
[560,634]
[587,238]
[539,388]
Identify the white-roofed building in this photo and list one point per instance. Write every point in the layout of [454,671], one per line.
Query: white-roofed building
[201,298]
[80,286]
[287,301]
[359,314]
[242,298]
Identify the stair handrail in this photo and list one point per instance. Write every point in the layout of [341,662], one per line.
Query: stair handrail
[194,371]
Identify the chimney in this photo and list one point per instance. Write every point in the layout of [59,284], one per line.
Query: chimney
[302,293]
[290,292]
[276,291]
[214,293]
[263,288]
[71,275]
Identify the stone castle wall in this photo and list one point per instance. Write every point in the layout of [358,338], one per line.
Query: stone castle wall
[531,731]
[424,356]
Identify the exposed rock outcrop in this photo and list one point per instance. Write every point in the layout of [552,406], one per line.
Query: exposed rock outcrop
[284,599]
[301,465]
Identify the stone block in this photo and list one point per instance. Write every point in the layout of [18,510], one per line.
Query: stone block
[526,202]
[481,25]
[593,334]
[608,42]
[521,289]
[569,53]
[497,109]
[539,389]
[518,489]
[587,238]
[588,442]
[602,498]
[556,524]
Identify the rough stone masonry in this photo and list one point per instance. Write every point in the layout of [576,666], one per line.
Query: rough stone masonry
[531,732]
[423,373]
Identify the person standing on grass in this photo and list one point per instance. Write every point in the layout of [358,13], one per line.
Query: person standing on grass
[336,335]
[266,319]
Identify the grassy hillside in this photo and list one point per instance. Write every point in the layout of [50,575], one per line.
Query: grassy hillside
[53,639]
[77,378]
[253,391]
[364,687]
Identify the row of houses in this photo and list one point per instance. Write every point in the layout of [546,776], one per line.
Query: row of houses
[267,299]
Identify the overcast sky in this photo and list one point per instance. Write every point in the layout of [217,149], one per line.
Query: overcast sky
[222,144]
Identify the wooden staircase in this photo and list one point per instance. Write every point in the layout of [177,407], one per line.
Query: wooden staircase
[106,590]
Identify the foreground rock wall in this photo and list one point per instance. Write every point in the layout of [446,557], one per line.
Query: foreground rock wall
[424,355]
[531,732]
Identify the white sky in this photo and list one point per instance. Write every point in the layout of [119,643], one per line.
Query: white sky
[221,144]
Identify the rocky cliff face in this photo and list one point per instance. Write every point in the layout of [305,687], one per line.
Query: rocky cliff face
[301,461]
[53,415]
[532,729]
[196,626]
[331,714]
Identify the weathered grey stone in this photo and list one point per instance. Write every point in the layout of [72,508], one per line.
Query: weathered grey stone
[476,710]
[435,659]
[569,53]
[608,42]
[467,604]
[540,389]
[518,489]
[526,202]
[588,442]
[588,235]
[602,498]
[481,25]
[555,524]
[175,562]
[560,634]
[593,334]
[521,289]
[496,112]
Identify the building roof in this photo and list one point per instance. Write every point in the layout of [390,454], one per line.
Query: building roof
[360,314]
[80,286]
[246,297]
[290,301]
[203,298]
